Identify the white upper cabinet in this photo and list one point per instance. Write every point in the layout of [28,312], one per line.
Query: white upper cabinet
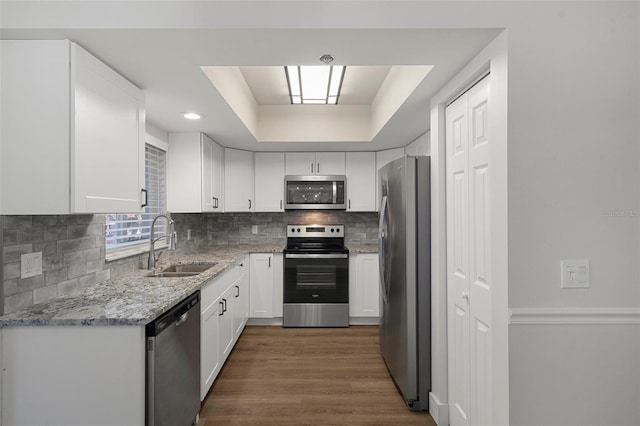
[238,180]
[269,181]
[361,178]
[315,163]
[195,173]
[72,132]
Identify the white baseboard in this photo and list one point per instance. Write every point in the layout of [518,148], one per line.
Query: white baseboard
[438,411]
[364,320]
[524,316]
[265,321]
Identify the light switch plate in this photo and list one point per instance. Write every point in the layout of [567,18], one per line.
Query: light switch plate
[30,264]
[574,273]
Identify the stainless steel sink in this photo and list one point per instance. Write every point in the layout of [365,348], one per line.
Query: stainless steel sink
[190,267]
[171,274]
[183,270]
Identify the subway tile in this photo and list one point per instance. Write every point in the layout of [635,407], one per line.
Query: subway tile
[11,270]
[73,258]
[95,266]
[103,275]
[9,237]
[17,222]
[54,233]
[83,243]
[86,281]
[67,287]
[44,294]
[26,284]
[48,248]
[10,287]
[18,301]
[77,269]
[13,253]
[46,221]
[56,276]
[77,231]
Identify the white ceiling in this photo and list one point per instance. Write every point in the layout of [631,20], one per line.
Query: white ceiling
[166,63]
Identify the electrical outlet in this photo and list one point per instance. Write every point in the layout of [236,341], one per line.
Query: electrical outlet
[31,264]
[254,229]
[188,234]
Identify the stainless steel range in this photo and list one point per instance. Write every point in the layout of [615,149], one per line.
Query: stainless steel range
[316,277]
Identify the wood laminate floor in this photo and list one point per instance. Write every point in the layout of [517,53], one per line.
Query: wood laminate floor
[306,376]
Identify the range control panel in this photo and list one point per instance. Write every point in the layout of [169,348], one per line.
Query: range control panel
[316,231]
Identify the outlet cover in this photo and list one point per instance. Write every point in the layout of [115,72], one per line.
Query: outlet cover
[31,264]
[254,229]
[575,273]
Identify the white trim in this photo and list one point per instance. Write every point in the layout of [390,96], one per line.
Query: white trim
[439,412]
[534,316]
[156,142]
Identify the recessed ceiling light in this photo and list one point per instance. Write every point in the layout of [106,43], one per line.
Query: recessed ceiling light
[191,116]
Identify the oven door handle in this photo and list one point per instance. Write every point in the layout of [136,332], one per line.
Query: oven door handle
[316,256]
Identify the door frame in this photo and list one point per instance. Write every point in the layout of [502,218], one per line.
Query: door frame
[493,59]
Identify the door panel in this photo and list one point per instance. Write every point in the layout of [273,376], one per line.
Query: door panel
[469,257]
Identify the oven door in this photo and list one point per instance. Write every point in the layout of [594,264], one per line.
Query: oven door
[316,278]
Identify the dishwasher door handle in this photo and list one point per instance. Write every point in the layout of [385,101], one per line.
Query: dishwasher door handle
[183,318]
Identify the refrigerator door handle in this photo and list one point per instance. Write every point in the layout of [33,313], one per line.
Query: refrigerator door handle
[381,252]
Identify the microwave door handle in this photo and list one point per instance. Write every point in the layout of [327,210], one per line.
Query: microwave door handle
[335,189]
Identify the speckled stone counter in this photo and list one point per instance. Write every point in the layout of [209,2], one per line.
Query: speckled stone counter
[133,298]
[362,248]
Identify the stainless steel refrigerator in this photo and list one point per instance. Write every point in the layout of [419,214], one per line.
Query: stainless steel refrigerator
[405,277]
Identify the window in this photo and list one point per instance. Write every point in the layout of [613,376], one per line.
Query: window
[127,234]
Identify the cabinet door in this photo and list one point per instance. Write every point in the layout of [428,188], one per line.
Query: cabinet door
[217,185]
[225,333]
[31,152]
[209,347]
[300,163]
[241,302]
[269,181]
[208,177]
[361,181]
[109,133]
[364,289]
[238,180]
[261,293]
[184,173]
[330,163]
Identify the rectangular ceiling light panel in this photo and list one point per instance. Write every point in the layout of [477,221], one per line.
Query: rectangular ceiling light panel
[314,84]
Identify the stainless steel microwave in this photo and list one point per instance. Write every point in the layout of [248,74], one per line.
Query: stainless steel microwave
[315,192]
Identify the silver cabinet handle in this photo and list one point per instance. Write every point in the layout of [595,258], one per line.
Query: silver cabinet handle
[238,291]
[349,204]
[316,256]
[269,261]
[318,168]
[311,168]
[280,204]
[249,203]
[221,309]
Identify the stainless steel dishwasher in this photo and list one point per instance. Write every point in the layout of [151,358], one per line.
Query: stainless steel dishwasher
[173,365]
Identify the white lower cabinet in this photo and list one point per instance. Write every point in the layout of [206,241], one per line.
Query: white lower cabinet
[266,285]
[364,285]
[73,376]
[224,313]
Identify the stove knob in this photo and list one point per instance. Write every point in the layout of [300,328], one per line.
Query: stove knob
[298,229]
[337,229]
[332,230]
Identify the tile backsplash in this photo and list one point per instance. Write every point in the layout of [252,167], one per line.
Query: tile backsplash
[73,250]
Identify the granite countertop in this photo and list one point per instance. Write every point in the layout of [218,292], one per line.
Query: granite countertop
[133,298]
[362,248]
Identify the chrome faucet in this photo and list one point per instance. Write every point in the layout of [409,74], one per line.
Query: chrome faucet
[171,238]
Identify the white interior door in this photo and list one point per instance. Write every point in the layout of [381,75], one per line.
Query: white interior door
[468,258]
